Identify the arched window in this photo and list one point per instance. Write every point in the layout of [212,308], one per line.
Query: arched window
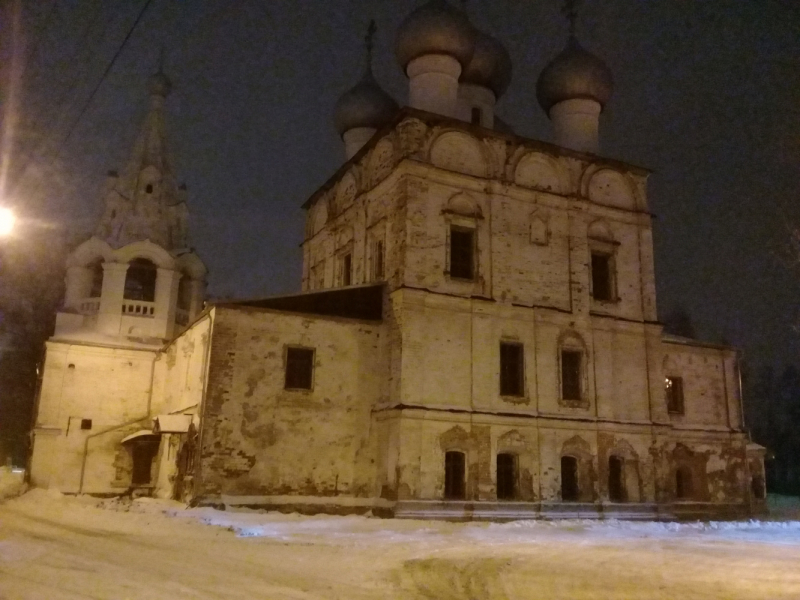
[96,288]
[570,492]
[616,479]
[683,483]
[506,476]
[140,281]
[454,471]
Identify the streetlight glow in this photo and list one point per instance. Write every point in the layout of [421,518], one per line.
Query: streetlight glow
[7,220]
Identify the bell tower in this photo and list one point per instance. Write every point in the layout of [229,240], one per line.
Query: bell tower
[136,277]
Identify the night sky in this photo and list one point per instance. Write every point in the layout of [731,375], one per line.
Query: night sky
[707,96]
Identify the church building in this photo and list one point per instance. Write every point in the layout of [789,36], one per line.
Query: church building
[476,335]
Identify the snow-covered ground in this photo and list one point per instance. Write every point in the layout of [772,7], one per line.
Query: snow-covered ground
[54,547]
[11,482]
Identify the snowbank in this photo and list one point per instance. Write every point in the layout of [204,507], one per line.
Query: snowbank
[12,482]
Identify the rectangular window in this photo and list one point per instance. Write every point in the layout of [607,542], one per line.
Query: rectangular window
[476,115]
[673,386]
[462,249]
[299,368]
[512,370]
[506,476]
[86,423]
[347,269]
[570,375]
[601,277]
[377,260]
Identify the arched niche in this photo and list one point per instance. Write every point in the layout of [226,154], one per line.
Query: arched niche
[459,152]
[345,192]
[319,216]
[463,205]
[600,230]
[610,188]
[381,161]
[538,172]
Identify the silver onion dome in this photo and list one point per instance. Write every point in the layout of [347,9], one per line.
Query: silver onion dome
[159,84]
[574,73]
[436,27]
[364,105]
[490,65]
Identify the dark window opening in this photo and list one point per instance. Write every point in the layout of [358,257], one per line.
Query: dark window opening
[86,423]
[616,482]
[758,487]
[299,368]
[378,260]
[143,454]
[570,375]
[569,479]
[512,370]
[96,289]
[476,115]
[454,470]
[140,281]
[683,483]
[506,476]
[601,277]
[149,188]
[673,386]
[462,248]
[347,269]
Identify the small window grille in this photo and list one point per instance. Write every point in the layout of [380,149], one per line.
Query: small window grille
[462,249]
[673,387]
[571,374]
[299,368]
[512,370]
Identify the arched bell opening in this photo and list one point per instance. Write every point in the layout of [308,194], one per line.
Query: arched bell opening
[140,281]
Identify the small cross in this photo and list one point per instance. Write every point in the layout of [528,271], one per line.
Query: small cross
[570,11]
[370,39]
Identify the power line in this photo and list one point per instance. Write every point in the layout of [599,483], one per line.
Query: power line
[105,74]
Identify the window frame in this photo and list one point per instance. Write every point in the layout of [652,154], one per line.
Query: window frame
[519,376]
[608,250]
[286,366]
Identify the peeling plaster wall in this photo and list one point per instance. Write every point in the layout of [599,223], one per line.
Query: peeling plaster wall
[107,385]
[259,439]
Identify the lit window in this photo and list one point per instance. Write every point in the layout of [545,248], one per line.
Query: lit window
[673,387]
[299,368]
[462,249]
[512,370]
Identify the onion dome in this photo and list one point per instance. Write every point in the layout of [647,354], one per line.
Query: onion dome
[574,73]
[159,84]
[436,27]
[364,105]
[490,65]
